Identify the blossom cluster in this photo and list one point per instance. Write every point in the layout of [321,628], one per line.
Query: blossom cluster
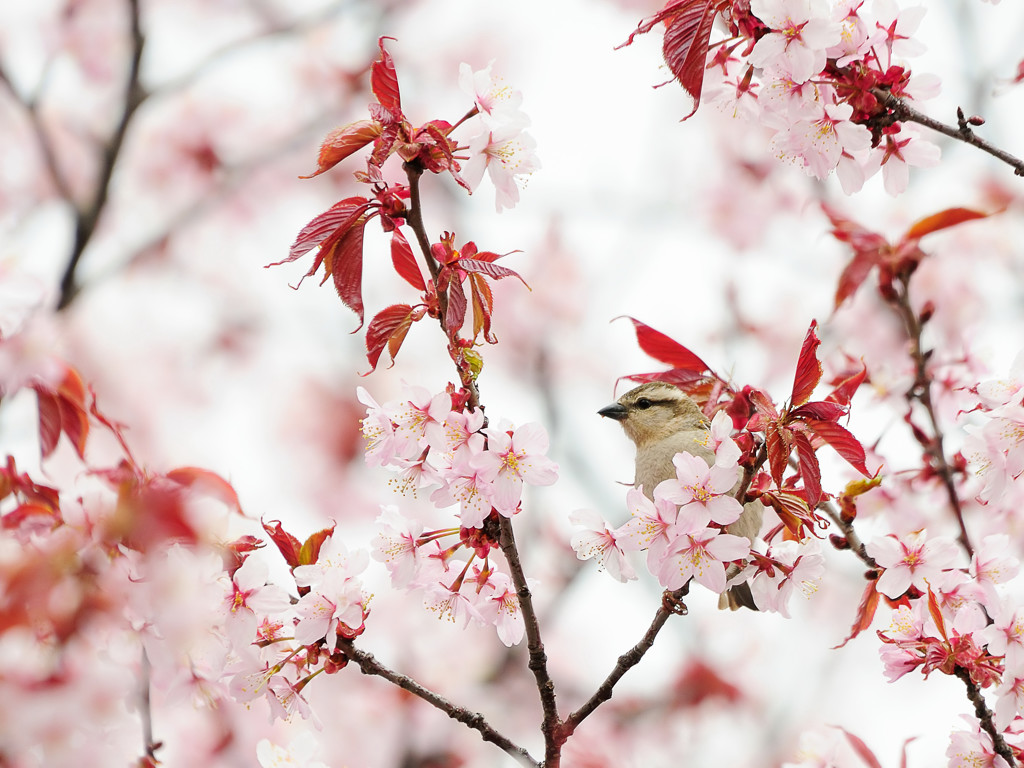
[481,468]
[683,527]
[822,72]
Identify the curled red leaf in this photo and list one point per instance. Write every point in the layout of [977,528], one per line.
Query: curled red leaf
[384,79]
[808,369]
[667,350]
[342,142]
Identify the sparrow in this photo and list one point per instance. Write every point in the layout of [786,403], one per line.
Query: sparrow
[661,421]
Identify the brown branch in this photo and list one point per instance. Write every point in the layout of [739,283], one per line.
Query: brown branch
[88,215]
[370,666]
[984,715]
[145,708]
[921,391]
[624,663]
[903,112]
[538,657]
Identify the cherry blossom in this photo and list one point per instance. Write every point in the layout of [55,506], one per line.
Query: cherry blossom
[802,567]
[802,31]
[501,608]
[648,527]
[497,102]
[505,154]
[396,545]
[252,598]
[512,458]
[911,560]
[335,596]
[602,543]
[702,490]
[897,153]
[298,754]
[701,554]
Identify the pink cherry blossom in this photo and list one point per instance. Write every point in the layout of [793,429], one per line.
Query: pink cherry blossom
[895,154]
[395,545]
[501,608]
[818,143]
[419,421]
[802,31]
[807,565]
[910,560]
[649,526]
[512,458]
[1005,636]
[992,564]
[973,749]
[701,555]
[599,541]
[251,598]
[506,155]
[336,594]
[497,102]
[701,490]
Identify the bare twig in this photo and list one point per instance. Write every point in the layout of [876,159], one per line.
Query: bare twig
[88,213]
[370,666]
[903,112]
[921,391]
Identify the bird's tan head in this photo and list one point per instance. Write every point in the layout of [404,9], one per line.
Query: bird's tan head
[654,411]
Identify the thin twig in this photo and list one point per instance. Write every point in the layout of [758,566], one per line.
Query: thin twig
[88,215]
[903,112]
[370,666]
[145,708]
[921,391]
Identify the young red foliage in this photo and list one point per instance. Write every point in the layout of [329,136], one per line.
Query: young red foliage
[667,350]
[688,26]
[388,329]
[808,369]
[404,261]
[342,142]
[862,749]
[63,410]
[865,612]
[384,79]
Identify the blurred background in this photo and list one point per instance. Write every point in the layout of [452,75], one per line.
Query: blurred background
[172,206]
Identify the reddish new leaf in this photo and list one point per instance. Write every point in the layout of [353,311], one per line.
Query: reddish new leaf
[936,613]
[688,26]
[810,470]
[49,422]
[808,369]
[455,316]
[287,545]
[483,307]
[388,324]
[207,482]
[862,749]
[865,612]
[310,552]
[846,387]
[842,440]
[336,219]
[488,268]
[384,79]
[346,267]
[778,441]
[819,409]
[941,220]
[342,142]
[74,422]
[404,262]
[665,349]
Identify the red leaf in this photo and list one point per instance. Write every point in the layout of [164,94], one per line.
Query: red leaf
[488,268]
[347,267]
[207,482]
[862,749]
[686,46]
[865,612]
[338,217]
[287,545]
[483,306]
[404,262]
[779,443]
[763,404]
[456,314]
[49,422]
[848,386]
[666,350]
[842,440]
[941,220]
[808,369]
[810,471]
[819,409]
[342,142]
[390,321]
[936,612]
[310,551]
[384,79]
[868,248]
[687,29]
[74,422]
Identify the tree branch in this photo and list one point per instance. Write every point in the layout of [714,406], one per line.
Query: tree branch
[88,214]
[903,112]
[981,711]
[370,666]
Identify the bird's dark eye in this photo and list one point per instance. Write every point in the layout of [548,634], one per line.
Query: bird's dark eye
[643,404]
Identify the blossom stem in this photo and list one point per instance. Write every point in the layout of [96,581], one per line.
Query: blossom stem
[903,112]
[369,665]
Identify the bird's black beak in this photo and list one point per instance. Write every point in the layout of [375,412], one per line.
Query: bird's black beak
[615,411]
